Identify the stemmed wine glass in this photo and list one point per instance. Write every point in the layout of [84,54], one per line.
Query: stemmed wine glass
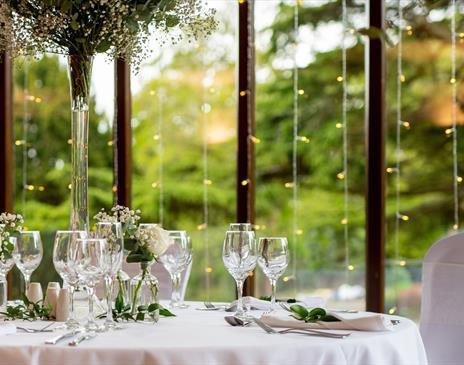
[273,260]
[61,260]
[239,256]
[89,257]
[27,254]
[112,232]
[175,259]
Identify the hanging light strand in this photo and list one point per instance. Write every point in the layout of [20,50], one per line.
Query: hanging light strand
[453,115]
[24,142]
[345,221]
[206,183]
[161,100]
[295,145]
[399,81]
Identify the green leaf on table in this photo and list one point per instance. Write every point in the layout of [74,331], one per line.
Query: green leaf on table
[166,312]
[299,312]
[140,316]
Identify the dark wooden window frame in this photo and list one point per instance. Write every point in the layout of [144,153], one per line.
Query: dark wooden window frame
[375,141]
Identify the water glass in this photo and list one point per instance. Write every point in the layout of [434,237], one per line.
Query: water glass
[273,260]
[61,246]
[90,259]
[175,259]
[27,254]
[112,232]
[239,256]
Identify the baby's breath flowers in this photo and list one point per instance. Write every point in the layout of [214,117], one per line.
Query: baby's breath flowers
[10,225]
[119,28]
[127,217]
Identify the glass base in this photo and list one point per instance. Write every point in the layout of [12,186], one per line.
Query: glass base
[92,327]
[72,324]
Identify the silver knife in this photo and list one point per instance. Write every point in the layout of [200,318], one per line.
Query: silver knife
[55,340]
[84,337]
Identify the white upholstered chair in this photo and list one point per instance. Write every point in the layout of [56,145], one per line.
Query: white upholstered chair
[442,311]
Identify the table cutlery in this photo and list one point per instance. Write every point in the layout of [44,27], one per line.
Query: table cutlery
[84,337]
[235,321]
[211,307]
[56,339]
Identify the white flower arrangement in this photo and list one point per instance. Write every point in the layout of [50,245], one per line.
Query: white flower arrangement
[127,217]
[10,224]
[155,240]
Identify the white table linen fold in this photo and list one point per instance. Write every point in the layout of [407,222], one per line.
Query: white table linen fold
[348,321]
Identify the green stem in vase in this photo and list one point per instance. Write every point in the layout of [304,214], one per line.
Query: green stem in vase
[144,266]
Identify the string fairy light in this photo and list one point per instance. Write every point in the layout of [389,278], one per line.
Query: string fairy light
[454,103]
[294,184]
[159,138]
[207,182]
[344,175]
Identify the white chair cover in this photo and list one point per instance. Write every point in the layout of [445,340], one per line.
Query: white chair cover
[442,311]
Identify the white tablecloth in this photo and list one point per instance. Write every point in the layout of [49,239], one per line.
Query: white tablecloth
[198,337]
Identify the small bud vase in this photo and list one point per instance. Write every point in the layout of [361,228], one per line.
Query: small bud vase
[144,292]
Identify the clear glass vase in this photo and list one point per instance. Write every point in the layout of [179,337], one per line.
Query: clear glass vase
[79,73]
[144,291]
[121,287]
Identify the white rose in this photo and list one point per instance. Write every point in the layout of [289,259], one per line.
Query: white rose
[159,241]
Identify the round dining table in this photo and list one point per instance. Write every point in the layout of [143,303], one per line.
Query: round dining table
[204,337]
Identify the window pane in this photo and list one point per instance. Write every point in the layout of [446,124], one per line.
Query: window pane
[322,262]
[184,96]
[426,204]
[42,128]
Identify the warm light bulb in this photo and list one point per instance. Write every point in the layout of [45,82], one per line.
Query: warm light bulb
[209,270]
[41,188]
[245,182]
[350,268]
[207,182]
[301,92]
[452,80]
[109,143]
[114,189]
[390,170]
[243,93]
[459,179]
[289,185]
[448,131]
[299,232]
[455,227]
[156,137]
[405,218]
[154,185]
[339,78]
[70,141]
[406,125]
[340,175]
[303,139]
[392,310]
[255,140]
[402,78]
[344,221]
[202,227]
[402,263]
[339,125]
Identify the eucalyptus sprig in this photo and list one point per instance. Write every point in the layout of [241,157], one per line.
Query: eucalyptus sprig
[310,316]
[123,312]
[28,311]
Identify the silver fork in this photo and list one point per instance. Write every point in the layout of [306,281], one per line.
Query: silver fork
[36,330]
[305,331]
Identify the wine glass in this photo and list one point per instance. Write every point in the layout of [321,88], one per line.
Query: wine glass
[239,256]
[89,257]
[112,232]
[6,264]
[273,260]
[175,259]
[27,254]
[61,261]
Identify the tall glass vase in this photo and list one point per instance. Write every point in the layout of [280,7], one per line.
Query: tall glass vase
[144,291]
[79,73]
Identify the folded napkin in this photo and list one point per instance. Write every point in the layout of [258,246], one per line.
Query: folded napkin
[348,321]
[7,328]
[258,304]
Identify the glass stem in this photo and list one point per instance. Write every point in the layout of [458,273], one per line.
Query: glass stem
[90,292]
[239,296]
[273,295]
[4,292]
[27,281]
[109,302]
[71,289]
[175,295]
